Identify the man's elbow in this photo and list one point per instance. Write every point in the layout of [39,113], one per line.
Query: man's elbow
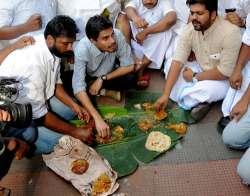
[171,19]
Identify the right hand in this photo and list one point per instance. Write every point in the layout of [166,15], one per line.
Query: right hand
[161,103]
[34,23]
[24,41]
[84,134]
[18,146]
[4,115]
[239,109]
[140,23]
[102,128]
[236,80]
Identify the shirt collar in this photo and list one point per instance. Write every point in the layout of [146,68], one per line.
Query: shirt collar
[94,49]
[212,27]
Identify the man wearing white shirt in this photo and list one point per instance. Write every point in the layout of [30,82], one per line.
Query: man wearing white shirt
[37,68]
[25,17]
[237,133]
[150,23]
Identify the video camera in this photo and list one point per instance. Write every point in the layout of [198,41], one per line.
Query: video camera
[21,114]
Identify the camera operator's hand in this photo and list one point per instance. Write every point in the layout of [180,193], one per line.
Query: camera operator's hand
[19,147]
[24,41]
[84,134]
[4,115]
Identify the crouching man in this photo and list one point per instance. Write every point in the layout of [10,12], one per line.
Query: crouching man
[37,67]
[103,61]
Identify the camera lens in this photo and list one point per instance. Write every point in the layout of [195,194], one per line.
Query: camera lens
[21,114]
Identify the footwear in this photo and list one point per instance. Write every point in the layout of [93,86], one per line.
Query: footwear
[200,111]
[116,95]
[143,81]
[222,123]
[4,191]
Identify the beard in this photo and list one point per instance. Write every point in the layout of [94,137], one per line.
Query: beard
[68,54]
[197,25]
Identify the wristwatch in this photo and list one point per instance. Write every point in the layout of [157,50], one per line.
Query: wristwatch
[194,79]
[104,77]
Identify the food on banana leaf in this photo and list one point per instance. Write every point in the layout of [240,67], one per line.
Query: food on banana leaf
[117,135]
[160,115]
[145,124]
[79,166]
[147,106]
[109,116]
[180,128]
[158,141]
[101,185]
[137,106]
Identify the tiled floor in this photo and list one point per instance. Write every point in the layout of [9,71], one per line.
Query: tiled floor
[200,165]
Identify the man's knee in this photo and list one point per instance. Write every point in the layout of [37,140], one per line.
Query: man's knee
[243,170]
[231,136]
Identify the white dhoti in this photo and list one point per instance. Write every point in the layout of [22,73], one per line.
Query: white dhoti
[154,47]
[233,96]
[189,94]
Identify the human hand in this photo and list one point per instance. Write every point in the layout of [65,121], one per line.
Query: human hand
[234,18]
[236,80]
[140,23]
[4,115]
[19,147]
[84,134]
[138,64]
[239,110]
[34,23]
[161,103]
[96,86]
[24,41]
[102,128]
[140,37]
[188,74]
[81,112]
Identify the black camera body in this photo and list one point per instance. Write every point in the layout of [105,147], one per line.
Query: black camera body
[21,114]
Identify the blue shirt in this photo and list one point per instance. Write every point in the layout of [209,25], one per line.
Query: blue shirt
[95,63]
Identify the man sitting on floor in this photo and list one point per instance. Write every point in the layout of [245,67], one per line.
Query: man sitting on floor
[237,133]
[37,67]
[198,84]
[150,24]
[97,68]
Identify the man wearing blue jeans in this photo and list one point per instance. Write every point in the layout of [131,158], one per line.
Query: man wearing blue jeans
[37,67]
[237,133]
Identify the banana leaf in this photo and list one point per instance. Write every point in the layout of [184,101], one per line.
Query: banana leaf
[117,111]
[119,157]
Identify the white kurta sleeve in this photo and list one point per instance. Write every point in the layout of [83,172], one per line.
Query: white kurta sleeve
[246,36]
[6,12]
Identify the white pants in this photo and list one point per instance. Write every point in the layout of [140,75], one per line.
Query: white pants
[233,96]
[154,47]
[189,94]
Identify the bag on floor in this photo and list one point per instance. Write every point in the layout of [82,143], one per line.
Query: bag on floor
[83,167]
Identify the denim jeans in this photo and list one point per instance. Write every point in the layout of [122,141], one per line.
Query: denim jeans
[45,139]
[237,135]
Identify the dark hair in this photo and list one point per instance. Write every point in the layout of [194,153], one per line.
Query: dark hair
[95,25]
[61,26]
[211,5]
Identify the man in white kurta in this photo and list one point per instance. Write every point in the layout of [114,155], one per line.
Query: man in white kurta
[240,78]
[236,135]
[82,10]
[206,80]
[24,17]
[150,41]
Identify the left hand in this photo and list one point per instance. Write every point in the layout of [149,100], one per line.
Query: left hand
[239,110]
[188,74]
[234,19]
[24,41]
[140,37]
[96,87]
[81,112]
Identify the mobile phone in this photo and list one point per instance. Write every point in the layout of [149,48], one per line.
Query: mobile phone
[230,10]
